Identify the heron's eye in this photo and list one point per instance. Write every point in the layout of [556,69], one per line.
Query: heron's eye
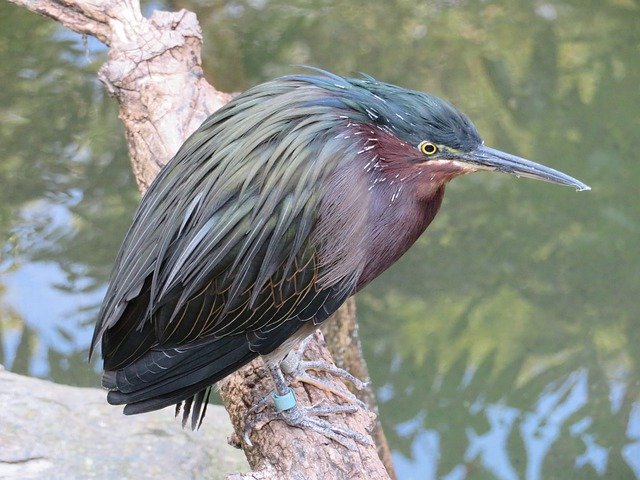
[428,148]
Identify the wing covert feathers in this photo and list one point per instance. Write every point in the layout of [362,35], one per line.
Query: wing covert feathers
[222,261]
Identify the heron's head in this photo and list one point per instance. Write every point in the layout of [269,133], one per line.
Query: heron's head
[414,131]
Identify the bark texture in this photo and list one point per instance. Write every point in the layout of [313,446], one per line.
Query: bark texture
[154,70]
[343,341]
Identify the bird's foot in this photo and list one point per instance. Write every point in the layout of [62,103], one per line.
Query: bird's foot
[287,409]
[302,375]
[294,365]
[306,418]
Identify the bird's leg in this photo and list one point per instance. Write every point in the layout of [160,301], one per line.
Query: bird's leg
[287,409]
[294,364]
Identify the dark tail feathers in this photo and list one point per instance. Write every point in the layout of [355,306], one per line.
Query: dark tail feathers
[170,376]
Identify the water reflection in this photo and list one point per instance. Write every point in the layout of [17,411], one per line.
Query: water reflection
[557,411]
[66,196]
[506,343]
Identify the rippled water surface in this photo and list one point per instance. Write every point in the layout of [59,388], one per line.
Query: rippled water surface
[506,344]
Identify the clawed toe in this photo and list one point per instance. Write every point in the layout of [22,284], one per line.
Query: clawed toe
[327,386]
[251,419]
[309,418]
[298,368]
[283,406]
[329,368]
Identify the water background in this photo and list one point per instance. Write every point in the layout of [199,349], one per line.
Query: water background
[506,343]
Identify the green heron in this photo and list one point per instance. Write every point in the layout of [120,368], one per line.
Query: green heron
[285,202]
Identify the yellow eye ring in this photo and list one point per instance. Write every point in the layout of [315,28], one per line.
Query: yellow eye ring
[428,148]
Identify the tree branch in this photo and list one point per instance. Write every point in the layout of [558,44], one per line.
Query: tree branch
[154,70]
[343,341]
[89,18]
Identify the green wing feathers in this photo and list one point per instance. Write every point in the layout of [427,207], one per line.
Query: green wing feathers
[224,236]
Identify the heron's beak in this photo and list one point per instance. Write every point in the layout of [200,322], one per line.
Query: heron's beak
[486,158]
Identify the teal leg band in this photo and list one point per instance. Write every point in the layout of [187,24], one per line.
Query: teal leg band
[284,402]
